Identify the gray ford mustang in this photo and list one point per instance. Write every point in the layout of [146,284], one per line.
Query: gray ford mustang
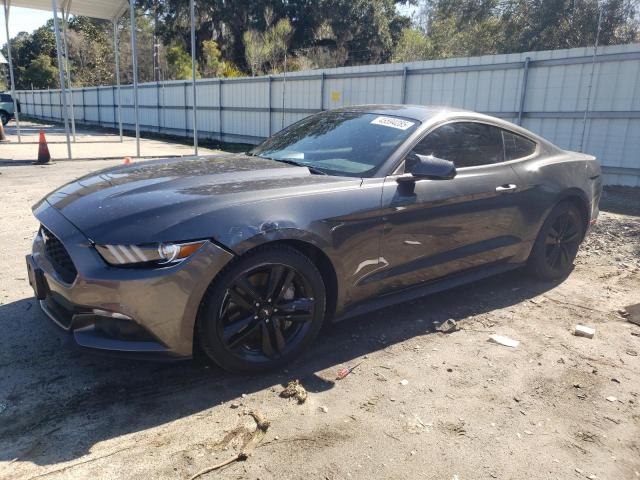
[245,256]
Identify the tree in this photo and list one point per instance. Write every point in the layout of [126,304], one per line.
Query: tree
[211,64]
[40,73]
[412,46]
[180,63]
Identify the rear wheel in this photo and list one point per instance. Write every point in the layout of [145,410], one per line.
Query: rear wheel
[557,244]
[263,311]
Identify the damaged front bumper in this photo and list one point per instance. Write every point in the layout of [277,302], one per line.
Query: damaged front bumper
[129,311]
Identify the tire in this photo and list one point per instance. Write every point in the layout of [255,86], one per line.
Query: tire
[556,246]
[4,117]
[263,311]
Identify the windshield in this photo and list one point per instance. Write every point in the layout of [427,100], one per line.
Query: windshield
[338,142]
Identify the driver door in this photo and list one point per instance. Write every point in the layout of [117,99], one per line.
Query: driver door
[435,228]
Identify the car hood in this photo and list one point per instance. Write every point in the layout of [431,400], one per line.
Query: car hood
[162,200]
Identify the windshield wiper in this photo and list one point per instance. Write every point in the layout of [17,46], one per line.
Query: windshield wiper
[298,164]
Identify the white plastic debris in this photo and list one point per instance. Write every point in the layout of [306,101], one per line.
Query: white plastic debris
[582,331]
[505,341]
[612,398]
[404,382]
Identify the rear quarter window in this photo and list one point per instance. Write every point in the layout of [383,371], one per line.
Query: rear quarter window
[516,146]
[5,98]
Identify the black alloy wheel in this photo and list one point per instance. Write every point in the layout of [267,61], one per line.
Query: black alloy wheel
[563,240]
[264,311]
[557,244]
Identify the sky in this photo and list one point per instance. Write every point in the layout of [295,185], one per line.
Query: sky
[23,20]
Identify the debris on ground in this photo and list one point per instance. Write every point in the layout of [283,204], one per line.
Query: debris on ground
[448,326]
[343,372]
[234,405]
[262,424]
[294,390]
[582,331]
[612,399]
[324,409]
[633,313]
[404,382]
[502,340]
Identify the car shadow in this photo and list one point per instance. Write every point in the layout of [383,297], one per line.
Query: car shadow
[59,401]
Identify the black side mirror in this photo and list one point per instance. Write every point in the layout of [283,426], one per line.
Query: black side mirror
[423,166]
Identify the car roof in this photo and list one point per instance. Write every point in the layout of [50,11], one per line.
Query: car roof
[427,114]
[421,113]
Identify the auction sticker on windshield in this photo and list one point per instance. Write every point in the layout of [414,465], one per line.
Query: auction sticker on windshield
[392,122]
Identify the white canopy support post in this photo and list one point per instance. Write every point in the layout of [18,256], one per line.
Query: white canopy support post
[63,90]
[65,21]
[116,50]
[193,76]
[134,62]
[7,8]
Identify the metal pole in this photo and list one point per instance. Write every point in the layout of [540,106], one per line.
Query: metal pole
[116,49]
[65,20]
[523,93]
[284,88]
[593,67]
[134,61]
[193,75]
[322,91]
[270,108]
[7,7]
[63,90]
[403,90]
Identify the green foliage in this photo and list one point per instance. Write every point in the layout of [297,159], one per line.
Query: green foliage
[180,63]
[412,46]
[40,73]
[265,52]
[211,62]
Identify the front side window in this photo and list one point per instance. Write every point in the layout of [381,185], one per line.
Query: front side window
[466,144]
[339,142]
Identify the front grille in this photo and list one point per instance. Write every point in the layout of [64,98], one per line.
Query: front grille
[58,256]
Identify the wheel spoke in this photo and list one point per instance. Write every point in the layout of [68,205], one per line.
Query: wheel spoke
[239,299]
[564,254]
[233,328]
[298,305]
[276,277]
[562,222]
[285,285]
[295,317]
[233,342]
[245,285]
[552,236]
[267,347]
[277,334]
[554,255]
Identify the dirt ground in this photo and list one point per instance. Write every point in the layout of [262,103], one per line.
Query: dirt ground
[421,405]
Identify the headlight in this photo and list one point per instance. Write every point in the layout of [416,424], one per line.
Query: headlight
[159,254]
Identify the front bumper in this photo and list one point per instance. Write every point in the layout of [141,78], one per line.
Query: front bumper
[130,311]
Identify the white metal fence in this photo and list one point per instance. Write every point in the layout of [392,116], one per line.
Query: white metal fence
[545,91]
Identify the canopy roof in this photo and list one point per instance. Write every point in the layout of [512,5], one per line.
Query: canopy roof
[104,9]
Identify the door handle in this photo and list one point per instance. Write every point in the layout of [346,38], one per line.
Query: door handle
[507,187]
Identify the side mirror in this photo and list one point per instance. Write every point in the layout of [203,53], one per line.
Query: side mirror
[423,166]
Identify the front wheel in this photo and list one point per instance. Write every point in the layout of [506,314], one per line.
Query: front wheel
[557,243]
[263,311]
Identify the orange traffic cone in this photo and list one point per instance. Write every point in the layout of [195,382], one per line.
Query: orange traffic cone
[127,160]
[3,137]
[43,150]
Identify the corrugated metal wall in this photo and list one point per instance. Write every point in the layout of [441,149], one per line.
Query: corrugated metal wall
[546,90]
